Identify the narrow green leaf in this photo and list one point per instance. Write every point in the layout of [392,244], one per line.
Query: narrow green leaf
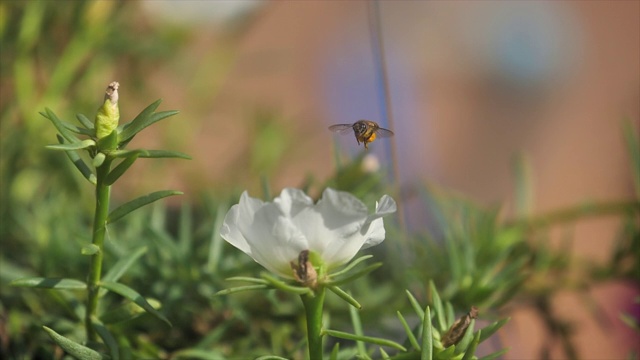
[415,305]
[457,266]
[200,354]
[141,117]
[108,339]
[448,353]
[280,285]
[73,146]
[351,265]
[469,354]
[49,283]
[630,321]
[79,130]
[89,249]
[412,338]
[142,153]
[216,241]
[367,339]
[248,279]
[450,316]
[335,351]
[119,170]
[357,330]
[239,289]
[144,119]
[120,268]
[495,355]
[79,164]
[133,295]
[164,154]
[134,204]
[185,234]
[489,330]
[437,307]
[125,312]
[84,121]
[73,348]
[68,135]
[345,296]
[355,275]
[383,354]
[427,336]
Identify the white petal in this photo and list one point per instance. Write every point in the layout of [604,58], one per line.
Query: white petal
[373,230]
[262,232]
[342,213]
[375,233]
[336,256]
[230,232]
[291,201]
[386,205]
[273,239]
[337,237]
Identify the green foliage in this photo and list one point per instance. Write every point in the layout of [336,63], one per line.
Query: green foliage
[271,140]
[102,177]
[430,345]
[49,283]
[73,348]
[175,257]
[133,295]
[124,209]
[481,261]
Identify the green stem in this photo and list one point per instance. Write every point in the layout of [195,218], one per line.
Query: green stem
[313,310]
[578,212]
[103,193]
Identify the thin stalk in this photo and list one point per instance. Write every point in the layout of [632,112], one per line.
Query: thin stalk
[578,212]
[313,311]
[103,194]
[380,63]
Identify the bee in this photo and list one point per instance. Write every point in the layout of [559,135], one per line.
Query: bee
[366,131]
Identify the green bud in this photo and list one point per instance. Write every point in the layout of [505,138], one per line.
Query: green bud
[108,114]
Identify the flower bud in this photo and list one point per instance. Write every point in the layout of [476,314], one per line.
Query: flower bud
[457,330]
[108,114]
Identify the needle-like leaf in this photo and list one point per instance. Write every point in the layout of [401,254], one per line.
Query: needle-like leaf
[50,283]
[73,348]
[134,296]
[139,202]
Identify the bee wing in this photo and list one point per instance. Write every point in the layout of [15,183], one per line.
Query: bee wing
[384,133]
[341,128]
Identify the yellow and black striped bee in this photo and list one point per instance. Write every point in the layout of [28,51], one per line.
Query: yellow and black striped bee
[366,131]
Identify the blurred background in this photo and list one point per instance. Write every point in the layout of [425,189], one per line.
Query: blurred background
[466,86]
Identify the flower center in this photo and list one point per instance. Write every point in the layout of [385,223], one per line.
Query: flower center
[304,271]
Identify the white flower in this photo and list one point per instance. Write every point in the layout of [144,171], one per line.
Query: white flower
[275,233]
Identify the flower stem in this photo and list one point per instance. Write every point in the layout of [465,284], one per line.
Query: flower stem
[313,311]
[103,193]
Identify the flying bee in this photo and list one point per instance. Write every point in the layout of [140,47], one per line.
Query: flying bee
[366,131]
